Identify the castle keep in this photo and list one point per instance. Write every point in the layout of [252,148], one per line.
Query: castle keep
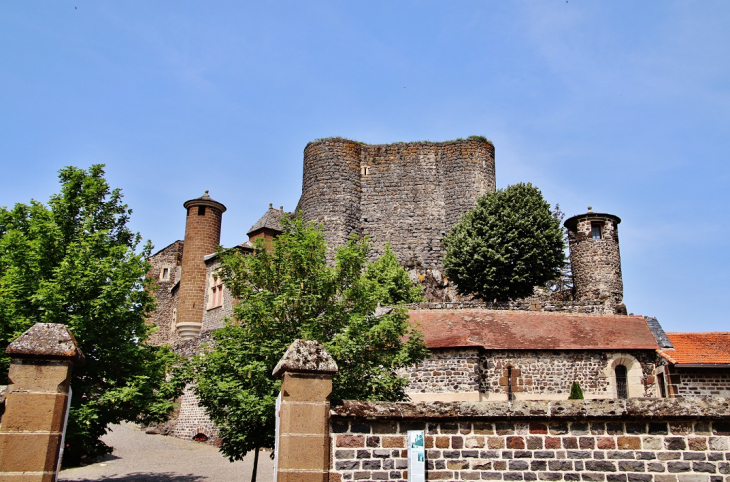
[405,194]
[410,195]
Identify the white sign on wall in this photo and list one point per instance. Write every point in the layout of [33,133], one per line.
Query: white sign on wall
[416,456]
[276,436]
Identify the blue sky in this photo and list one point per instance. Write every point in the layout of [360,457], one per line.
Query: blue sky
[624,106]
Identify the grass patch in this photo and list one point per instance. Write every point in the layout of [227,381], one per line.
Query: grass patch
[339,138]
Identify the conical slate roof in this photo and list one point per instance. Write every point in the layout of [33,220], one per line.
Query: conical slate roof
[270,220]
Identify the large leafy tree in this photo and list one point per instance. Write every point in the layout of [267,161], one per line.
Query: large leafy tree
[286,293]
[75,262]
[392,282]
[504,247]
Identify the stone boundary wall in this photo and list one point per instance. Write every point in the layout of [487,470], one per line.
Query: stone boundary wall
[635,440]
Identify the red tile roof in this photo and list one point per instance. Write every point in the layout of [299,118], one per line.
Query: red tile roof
[699,348]
[521,330]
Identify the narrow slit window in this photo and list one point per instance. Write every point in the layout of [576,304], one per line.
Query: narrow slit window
[662,387]
[596,231]
[510,395]
[622,389]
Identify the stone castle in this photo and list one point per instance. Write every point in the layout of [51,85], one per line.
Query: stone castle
[410,195]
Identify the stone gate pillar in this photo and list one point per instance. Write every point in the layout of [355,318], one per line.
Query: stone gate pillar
[35,406]
[303,447]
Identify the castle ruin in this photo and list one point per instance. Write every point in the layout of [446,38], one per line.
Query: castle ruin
[405,194]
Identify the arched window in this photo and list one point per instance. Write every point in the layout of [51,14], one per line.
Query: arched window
[622,389]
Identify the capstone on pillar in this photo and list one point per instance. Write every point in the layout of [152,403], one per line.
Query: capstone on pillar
[35,406]
[303,445]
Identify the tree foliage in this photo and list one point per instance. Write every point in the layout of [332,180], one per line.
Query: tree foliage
[75,262]
[287,293]
[392,282]
[504,247]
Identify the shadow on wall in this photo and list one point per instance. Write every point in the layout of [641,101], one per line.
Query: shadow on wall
[152,477]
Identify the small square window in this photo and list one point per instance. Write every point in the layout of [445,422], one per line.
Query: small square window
[596,231]
[201,210]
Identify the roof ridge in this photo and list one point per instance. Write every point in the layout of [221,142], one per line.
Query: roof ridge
[698,332]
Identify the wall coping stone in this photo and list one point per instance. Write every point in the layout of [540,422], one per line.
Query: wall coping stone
[306,356]
[712,408]
[46,340]
[517,305]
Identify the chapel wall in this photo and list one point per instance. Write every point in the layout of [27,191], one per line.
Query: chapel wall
[538,374]
[445,371]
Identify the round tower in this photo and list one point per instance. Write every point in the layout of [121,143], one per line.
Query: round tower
[331,188]
[202,237]
[595,258]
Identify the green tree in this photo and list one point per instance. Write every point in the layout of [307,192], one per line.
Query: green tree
[504,247]
[75,262]
[288,293]
[392,282]
[576,393]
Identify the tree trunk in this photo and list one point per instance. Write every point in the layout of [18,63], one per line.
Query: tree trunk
[255,465]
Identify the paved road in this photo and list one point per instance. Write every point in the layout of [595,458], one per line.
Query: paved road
[156,458]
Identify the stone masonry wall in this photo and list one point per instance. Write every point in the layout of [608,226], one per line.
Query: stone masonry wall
[407,194]
[192,419]
[553,372]
[593,307]
[168,258]
[616,441]
[414,192]
[535,374]
[703,382]
[214,318]
[331,188]
[445,370]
